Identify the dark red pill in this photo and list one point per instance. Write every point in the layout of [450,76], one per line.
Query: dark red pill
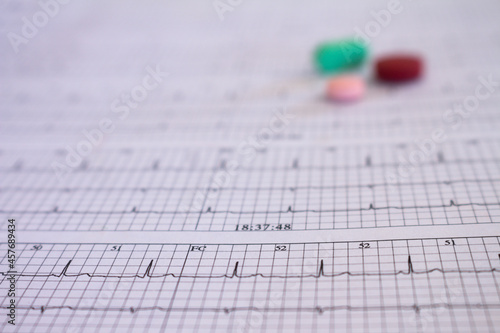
[398,68]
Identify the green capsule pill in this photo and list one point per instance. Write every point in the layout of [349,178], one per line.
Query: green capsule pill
[336,56]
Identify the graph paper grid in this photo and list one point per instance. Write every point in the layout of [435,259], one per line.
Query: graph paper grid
[391,286]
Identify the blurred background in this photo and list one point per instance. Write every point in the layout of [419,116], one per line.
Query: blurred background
[228,65]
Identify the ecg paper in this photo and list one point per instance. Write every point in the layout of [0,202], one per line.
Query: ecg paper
[228,195]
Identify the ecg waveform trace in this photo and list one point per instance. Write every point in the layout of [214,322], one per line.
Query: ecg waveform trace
[319,188]
[415,281]
[234,274]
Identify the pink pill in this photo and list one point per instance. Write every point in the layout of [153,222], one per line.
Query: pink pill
[345,88]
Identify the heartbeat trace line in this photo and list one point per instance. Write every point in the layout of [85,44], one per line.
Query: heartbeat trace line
[148,273]
[19,167]
[209,210]
[228,310]
[235,188]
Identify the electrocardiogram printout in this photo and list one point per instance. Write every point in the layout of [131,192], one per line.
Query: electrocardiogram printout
[177,168]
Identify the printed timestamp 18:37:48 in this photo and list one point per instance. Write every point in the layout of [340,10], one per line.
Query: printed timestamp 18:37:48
[263,227]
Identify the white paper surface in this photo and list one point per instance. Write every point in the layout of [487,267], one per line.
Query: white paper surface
[176,168]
